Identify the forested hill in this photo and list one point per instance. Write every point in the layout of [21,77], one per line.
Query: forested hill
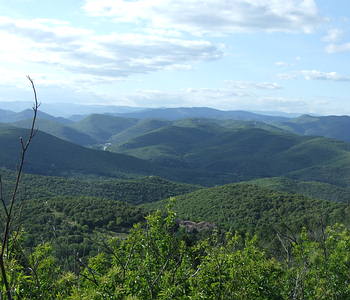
[134,191]
[328,126]
[314,189]
[246,207]
[199,112]
[243,153]
[52,156]
[199,153]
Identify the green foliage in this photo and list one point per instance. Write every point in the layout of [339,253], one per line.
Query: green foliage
[155,262]
[320,268]
[314,189]
[135,191]
[37,276]
[74,225]
[251,208]
[237,269]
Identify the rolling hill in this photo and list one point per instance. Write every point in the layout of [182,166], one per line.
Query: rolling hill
[140,128]
[194,151]
[52,156]
[328,126]
[59,130]
[134,191]
[313,189]
[102,127]
[244,153]
[7,116]
[246,207]
[199,112]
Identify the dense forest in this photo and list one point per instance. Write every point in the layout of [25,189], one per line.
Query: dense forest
[158,259]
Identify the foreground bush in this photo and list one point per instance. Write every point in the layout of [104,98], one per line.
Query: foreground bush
[158,261]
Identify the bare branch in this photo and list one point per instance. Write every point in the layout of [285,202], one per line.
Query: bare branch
[2,197]
[9,210]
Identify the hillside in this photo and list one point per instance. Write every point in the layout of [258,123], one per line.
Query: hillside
[244,153]
[199,112]
[52,156]
[102,127]
[7,116]
[328,126]
[140,128]
[247,207]
[135,191]
[314,189]
[73,225]
[59,130]
[194,151]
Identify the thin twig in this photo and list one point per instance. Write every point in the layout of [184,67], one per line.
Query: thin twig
[2,197]
[9,211]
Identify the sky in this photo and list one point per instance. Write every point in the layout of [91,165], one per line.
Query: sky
[258,55]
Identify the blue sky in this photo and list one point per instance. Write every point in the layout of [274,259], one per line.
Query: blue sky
[258,55]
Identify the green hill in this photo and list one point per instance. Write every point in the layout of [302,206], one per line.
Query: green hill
[170,142]
[135,191]
[245,153]
[7,116]
[314,189]
[199,112]
[140,128]
[102,127]
[328,126]
[247,207]
[192,151]
[74,225]
[59,130]
[49,155]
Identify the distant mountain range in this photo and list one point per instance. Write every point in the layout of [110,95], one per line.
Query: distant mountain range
[76,111]
[219,148]
[194,151]
[199,112]
[66,110]
[7,116]
[329,126]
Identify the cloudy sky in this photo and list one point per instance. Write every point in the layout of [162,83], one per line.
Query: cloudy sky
[260,55]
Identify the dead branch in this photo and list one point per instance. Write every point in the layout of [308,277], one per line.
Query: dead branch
[9,208]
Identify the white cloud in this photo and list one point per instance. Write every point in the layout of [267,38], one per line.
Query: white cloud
[336,48]
[111,56]
[222,98]
[234,95]
[314,75]
[333,35]
[287,76]
[248,85]
[282,64]
[319,75]
[200,17]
